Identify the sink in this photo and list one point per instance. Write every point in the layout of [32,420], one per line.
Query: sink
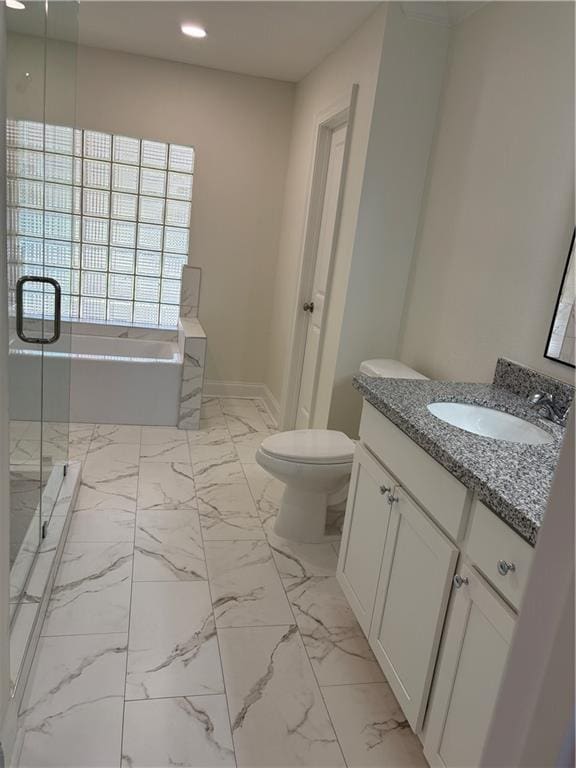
[490,423]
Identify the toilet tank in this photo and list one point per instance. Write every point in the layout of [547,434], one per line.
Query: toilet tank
[389,369]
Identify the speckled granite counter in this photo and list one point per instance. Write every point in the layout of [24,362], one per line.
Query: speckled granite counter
[512,479]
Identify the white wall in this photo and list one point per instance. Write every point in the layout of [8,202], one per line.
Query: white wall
[401,137]
[240,127]
[500,204]
[355,61]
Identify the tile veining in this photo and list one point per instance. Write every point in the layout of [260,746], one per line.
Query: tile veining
[182,631]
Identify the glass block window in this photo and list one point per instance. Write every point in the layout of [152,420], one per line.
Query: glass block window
[107,216]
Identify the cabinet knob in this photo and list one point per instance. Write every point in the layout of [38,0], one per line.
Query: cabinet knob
[504,567]
[459,580]
[384,490]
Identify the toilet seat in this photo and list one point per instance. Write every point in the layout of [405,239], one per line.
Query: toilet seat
[310,446]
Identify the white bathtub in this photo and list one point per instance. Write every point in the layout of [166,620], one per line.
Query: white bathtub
[111,380]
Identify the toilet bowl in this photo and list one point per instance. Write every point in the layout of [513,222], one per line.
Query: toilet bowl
[315,465]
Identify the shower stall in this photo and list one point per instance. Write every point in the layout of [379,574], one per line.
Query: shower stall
[41,212]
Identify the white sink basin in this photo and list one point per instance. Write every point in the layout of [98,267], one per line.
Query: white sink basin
[490,423]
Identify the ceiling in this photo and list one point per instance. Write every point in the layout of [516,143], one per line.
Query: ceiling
[281,40]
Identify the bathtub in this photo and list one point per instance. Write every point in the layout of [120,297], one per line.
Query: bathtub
[110,380]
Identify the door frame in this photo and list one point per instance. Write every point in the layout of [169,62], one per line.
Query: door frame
[338,113]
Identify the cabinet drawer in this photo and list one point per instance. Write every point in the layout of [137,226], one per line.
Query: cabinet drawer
[444,497]
[491,542]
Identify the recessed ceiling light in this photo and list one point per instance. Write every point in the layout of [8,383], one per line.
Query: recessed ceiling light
[193,30]
[16,5]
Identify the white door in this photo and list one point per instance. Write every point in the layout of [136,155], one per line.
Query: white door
[364,534]
[316,304]
[475,648]
[411,602]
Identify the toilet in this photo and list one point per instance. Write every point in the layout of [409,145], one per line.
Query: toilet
[315,465]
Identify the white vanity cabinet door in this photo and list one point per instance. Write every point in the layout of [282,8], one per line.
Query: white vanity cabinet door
[363,535]
[411,602]
[477,640]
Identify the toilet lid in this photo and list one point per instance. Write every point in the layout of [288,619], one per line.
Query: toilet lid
[313,446]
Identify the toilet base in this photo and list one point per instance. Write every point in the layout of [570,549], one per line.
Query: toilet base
[302,516]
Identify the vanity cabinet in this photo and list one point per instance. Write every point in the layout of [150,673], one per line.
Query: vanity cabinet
[434,578]
[365,528]
[418,564]
[476,643]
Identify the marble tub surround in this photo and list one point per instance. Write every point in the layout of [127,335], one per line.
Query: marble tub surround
[239,648]
[512,479]
[192,344]
[190,291]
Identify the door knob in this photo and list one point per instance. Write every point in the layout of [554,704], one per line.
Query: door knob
[308,306]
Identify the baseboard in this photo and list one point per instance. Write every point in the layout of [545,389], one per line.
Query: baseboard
[243,389]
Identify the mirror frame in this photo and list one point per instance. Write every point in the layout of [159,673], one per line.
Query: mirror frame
[564,275]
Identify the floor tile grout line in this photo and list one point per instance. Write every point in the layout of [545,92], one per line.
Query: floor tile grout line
[214,619]
[311,666]
[130,608]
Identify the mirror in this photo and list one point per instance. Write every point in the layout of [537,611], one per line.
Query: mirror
[560,344]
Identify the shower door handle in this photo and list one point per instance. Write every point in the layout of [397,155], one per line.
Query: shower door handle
[20,309]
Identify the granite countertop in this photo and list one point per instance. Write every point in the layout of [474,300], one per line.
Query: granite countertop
[512,479]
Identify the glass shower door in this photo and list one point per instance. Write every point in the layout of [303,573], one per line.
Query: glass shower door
[62,209]
[43,213]
[25,72]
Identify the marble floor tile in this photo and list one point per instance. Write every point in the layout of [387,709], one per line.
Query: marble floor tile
[298,563]
[191,731]
[72,714]
[166,451]
[336,645]
[166,485]
[92,590]
[99,525]
[157,435]
[247,444]
[107,434]
[209,433]
[104,457]
[26,452]
[216,465]
[267,417]
[164,444]
[94,496]
[242,417]
[79,440]
[228,512]
[245,586]
[168,546]
[111,471]
[371,727]
[266,490]
[276,709]
[173,650]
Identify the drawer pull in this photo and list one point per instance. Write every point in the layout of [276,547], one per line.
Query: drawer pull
[459,580]
[384,490]
[504,567]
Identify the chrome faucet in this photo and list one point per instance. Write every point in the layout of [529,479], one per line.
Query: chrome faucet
[549,408]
